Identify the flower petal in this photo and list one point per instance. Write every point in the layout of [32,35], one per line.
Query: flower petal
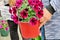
[33,21]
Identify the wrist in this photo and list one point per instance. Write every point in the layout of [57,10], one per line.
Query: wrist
[47,15]
[50,9]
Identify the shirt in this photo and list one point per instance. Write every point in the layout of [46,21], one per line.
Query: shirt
[6,2]
[52,27]
[5,13]
[4,10]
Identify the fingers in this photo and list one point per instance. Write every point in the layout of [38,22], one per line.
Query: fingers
[43,21]
[46,17]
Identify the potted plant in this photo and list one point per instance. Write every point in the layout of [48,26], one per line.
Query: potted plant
[27,14]
[4,29]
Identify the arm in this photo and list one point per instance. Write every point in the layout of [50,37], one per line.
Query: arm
[48,12]
[46,17]
[48,6]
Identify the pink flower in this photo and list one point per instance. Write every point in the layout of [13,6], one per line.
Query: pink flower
[39,13]
[40,4]
[16,21]
[18,3]
[12,10]
[33,21]
[36,8]
[6,28]
[15,18]
[24,14]
[1,27]
[3,21]
[36,4]
[33,2]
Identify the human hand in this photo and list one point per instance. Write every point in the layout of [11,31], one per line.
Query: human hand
[46,17]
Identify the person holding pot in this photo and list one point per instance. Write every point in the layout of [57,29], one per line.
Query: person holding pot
[13,25]
[51,19]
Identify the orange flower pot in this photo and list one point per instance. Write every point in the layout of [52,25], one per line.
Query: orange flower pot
[29,31]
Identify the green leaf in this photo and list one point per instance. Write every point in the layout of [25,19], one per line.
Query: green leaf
[4,25]
[37,38]
[24,5]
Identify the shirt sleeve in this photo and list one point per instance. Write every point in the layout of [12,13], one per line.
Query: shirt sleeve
[46,2]
[55,4]
[50,9]
[48,6]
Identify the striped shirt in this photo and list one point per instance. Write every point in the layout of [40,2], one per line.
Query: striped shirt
[52,27]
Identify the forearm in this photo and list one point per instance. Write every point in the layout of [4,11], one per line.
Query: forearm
[48,12]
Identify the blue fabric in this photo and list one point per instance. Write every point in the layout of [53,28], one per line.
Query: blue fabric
[43,33]
[52,27]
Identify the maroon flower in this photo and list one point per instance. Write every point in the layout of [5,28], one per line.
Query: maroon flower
[7,29]
[33,2]
[33,21]
[36,8]
[16,21]
[36,4]
[40,4]
[39,13]
[14,10]
[15,18]
[10,10]
[24,14]
[18,3]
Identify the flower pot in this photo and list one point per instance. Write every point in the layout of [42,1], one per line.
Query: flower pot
[28,30]
[0,30]
[4,33]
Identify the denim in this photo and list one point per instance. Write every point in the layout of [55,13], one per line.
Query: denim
[52,27]
[43,33]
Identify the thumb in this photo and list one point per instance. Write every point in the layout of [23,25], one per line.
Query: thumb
[43,23]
